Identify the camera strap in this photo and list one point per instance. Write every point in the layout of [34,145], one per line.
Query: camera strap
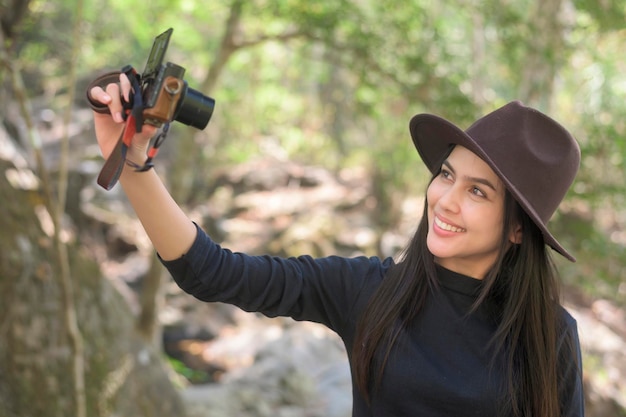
[133,114]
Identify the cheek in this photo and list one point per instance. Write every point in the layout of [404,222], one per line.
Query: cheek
[431,199]
[496,225]
[432,195]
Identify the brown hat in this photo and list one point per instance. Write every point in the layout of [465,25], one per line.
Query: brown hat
[535,157]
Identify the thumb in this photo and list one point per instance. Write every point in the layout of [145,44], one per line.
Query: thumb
[140,142]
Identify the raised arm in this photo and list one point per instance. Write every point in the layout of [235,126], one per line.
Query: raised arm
[166,224]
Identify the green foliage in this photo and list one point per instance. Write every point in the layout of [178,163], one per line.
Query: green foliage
[335,82]
[596,104]
[599,269]
[194,376]
[608,15]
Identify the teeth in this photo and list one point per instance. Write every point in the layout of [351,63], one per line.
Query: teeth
[448,227]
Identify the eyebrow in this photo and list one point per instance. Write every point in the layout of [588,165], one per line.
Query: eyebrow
[478,180]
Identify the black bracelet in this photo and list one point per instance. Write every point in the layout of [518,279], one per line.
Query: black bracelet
[137,167]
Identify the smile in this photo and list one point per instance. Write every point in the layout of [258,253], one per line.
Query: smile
[448,227]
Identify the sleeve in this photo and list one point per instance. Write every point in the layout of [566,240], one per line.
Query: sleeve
[570,365]
[322,290]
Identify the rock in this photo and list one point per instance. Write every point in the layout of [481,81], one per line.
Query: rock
[600,327]
[298,369]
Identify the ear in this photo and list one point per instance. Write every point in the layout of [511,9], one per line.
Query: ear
[516,235]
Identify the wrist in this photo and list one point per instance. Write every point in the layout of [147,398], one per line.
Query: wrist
[135,159]
[136,155]
[132,170]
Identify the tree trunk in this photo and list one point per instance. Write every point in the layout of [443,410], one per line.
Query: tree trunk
[545,53]
[124,375]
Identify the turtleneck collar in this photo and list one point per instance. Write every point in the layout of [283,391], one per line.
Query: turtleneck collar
[458,282]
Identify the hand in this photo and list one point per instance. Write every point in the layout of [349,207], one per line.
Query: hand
[110,126]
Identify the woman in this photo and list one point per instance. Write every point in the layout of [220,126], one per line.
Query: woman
[466,323]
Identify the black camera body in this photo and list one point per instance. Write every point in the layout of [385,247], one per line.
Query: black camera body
[166,95]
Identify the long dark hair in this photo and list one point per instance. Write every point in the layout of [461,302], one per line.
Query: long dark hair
[523,287]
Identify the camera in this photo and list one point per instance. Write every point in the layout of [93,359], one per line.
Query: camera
[159,96]
[166,95]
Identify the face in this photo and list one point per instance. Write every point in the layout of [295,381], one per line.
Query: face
[465,214]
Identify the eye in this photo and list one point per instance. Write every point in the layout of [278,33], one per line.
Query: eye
[478,192]
[445,173]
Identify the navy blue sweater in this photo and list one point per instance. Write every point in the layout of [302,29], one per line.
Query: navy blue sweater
[441,365]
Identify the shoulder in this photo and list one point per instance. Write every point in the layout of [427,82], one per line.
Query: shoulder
[569,367]
[358,277]
[567,325]
[568,342]
[567,321]
[358,266]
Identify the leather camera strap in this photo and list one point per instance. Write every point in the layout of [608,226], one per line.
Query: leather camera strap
[112,168]
[102,81]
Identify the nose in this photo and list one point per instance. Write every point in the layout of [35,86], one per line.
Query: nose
[449,199]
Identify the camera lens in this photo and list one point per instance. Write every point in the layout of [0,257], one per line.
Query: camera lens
[195,109]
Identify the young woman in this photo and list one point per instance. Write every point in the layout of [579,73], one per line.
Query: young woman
[466,323]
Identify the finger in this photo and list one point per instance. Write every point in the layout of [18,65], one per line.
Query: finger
[99,95]
[147,133]
[148,130]
[115,104]
[125,86]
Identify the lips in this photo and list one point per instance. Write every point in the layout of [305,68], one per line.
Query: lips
[448,227]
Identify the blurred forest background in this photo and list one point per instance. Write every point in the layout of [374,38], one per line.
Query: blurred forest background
[308,151]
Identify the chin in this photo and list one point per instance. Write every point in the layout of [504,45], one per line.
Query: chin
[437,251]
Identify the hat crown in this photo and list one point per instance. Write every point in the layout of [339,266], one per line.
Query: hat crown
[535,157]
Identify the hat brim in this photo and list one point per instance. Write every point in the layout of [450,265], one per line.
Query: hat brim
[433,135]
